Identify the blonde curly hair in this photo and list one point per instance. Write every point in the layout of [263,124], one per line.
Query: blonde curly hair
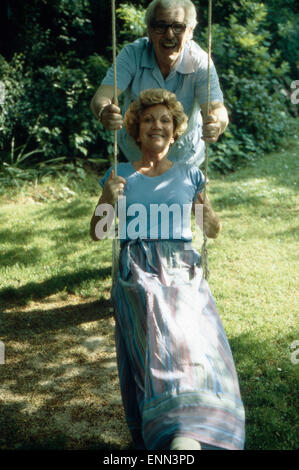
[150,98]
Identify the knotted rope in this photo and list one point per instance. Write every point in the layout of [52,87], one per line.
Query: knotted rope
[115,98]
[115,243]
[204,249]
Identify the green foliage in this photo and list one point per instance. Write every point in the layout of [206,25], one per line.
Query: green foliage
[44,30]
[60,51]
[133,22]
[282,21]
[46,112]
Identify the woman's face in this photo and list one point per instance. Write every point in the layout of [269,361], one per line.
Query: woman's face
[156,128]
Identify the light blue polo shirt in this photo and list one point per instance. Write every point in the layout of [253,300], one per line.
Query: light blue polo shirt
[157,207]
[138,70]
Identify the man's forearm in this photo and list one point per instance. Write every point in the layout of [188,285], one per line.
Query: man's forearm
[98,103]
[220,111]
[102,97]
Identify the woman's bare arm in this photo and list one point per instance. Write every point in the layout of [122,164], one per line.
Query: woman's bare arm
[211,222]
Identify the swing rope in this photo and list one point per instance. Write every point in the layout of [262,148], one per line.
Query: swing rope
[204,250]
[115,99]
[116,244]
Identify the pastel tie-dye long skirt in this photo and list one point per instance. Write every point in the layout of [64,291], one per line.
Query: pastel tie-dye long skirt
[176,370]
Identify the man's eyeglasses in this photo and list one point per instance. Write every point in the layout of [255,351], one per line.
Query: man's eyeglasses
[161,28]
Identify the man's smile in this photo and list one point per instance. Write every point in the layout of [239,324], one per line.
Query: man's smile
[169,44]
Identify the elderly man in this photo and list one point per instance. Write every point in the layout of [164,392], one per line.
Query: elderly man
[169,59]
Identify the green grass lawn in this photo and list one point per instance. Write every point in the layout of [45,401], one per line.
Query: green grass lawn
[59,386]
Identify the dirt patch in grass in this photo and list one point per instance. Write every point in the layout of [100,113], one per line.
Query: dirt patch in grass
[59,385]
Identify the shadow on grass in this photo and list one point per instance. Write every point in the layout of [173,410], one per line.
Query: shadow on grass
[20,324]
[267,380]
[16,236]
[59,384]
[40,290]
[13,436]
[20,253]
[59,443]
[14,256]
[63,244]
[75,209]
[268,383]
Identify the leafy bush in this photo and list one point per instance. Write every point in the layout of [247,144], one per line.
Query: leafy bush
[46,112]
[251,76]
[133,25]
[62,49]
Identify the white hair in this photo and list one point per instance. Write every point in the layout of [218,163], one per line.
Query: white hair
[188,6]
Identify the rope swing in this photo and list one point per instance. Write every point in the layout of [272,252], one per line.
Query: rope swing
[116,242]
[204,249]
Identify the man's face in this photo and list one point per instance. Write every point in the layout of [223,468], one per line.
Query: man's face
[168,45]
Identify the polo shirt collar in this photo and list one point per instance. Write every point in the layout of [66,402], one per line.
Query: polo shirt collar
[148,59]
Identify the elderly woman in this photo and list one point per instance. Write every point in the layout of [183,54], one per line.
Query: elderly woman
[177,376]
[168,58]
